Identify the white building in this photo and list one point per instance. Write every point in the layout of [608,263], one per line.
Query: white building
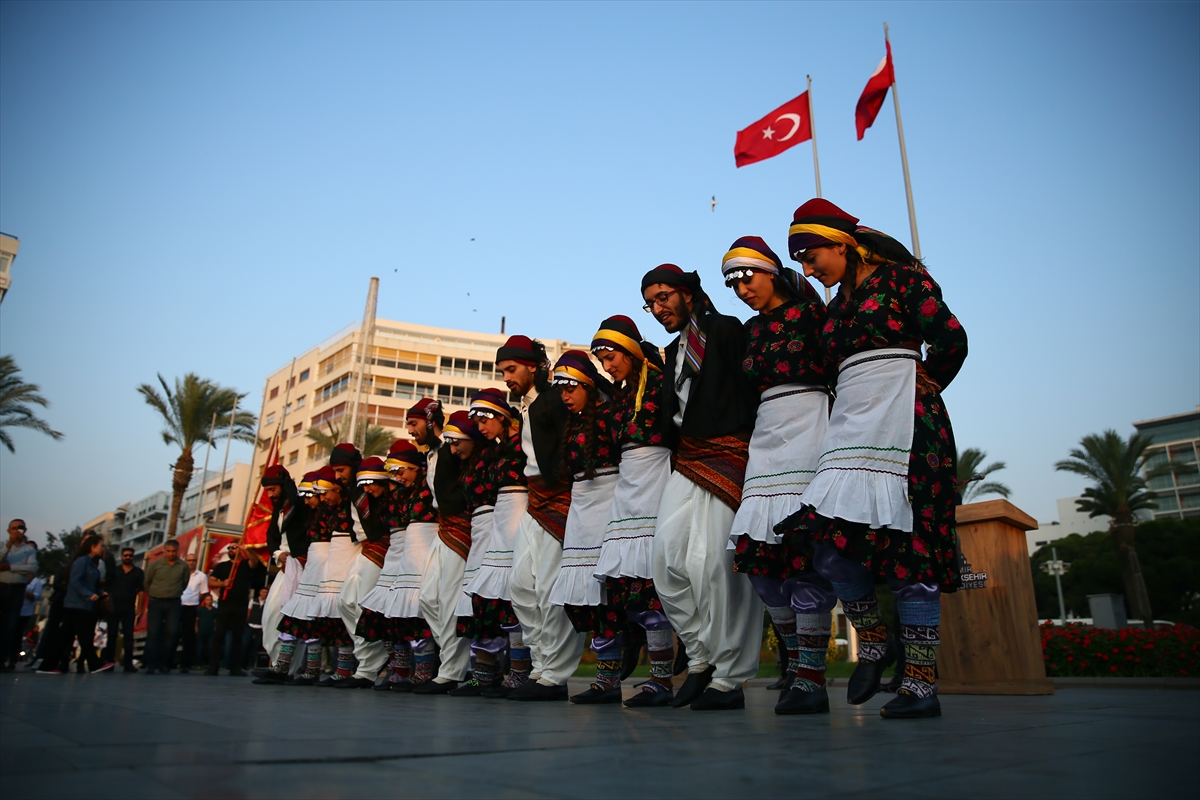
[1070,520]
[224,497]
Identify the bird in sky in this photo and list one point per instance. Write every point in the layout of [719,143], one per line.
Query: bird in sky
[714,203]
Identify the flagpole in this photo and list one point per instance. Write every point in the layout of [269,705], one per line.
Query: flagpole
[812,129]
[225,463]
[912,211]
[204,472]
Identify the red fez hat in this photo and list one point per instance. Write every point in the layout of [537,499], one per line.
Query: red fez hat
[345,453]
[276,475]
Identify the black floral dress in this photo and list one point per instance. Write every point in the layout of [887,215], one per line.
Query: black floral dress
[419,508]
[783,346]
[318,531]
[481,482]
[579,458]
[393,511]
[900,305]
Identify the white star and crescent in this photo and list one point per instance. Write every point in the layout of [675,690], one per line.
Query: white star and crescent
[769,133]
[795,120]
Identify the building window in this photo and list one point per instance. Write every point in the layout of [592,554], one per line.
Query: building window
[283,436]
[304,376]
[270,418]
[296,428]
[333,388]
[227,485]
[293,456]
[292,382]
[302,401]
[328,415]
[274,393]
[338,359]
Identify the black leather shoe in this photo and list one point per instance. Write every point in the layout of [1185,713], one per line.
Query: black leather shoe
[516,693]
[798,701]
[630,656]
[864,683]
[784,682]
[540,691]
[262,672]
[433,687]
[354,683]
[909,706]
[716,700]
[470,688]
[402,686]
[595,696]
[271,679]
[651,698]
[300,680]
[893,686]
[681,659]
[495,692]
[693,687]
[383,686]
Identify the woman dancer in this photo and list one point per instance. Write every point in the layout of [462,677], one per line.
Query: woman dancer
[494,625]
[644,438]
[785,362]
[881,505]
[391,497]
[590,461]
[294,629]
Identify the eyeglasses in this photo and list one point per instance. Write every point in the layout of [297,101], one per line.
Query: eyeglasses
[736,276]
[659,299]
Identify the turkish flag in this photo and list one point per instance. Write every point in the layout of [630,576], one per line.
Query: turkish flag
[784,127]
[875,93]
[258,516]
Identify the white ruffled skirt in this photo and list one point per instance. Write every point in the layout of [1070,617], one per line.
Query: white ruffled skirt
[629,535]
[492,579]
[403,597]
[482,520]
[591,506]
[376,599]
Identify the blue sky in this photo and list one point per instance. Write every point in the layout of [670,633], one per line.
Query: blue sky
[209,187]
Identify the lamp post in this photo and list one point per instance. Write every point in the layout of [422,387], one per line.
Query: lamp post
[1057,568]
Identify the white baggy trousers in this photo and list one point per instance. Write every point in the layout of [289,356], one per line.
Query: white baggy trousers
[554,646]
[715,611]
[360,580]
[441,585]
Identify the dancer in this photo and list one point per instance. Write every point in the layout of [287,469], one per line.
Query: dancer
[590,462]
[785,362]
[494,624]
[293,634]
[441,584]
[881,505]
[389,499]
[554,647]
[285,537]
[645,438]
[715,612]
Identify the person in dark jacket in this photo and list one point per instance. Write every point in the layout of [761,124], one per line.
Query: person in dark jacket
[712,403]
[79,620]
[127,589]
[233,582]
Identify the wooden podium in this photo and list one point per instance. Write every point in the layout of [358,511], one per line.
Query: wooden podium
[990,640]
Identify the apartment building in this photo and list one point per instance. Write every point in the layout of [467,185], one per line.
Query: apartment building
[225,497]
[406,362]
[1174,440]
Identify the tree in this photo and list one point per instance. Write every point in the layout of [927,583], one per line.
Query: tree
[16,397]
[58,551]
[187,412]
[1114,465]
[378,439]
[969,461]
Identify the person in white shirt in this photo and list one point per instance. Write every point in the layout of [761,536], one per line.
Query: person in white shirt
[197,587]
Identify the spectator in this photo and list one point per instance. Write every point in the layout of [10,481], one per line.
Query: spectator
[189,605]
[253,640]
[79,617]
[105,611]
[127,588]
[206,620]
[166,578]
[33,596]
[234,579]
[48,643]
[18,564]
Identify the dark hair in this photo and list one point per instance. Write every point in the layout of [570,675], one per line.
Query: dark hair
[125,550]
[588,429]
[171,543]
[85,546]
[541,375]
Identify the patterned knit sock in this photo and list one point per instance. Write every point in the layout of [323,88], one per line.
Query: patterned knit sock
[660,648]
[484,673]
[920,636]
[312,665]
[872,633]
[404,661]
[519,664]
[812,643]
[425,661]
[345,662]
[785,624]
[287,649]
[608,674]
[393,664]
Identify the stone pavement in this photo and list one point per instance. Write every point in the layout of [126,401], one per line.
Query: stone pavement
[165,736]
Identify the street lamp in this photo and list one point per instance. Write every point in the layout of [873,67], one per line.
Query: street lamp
[1057,568]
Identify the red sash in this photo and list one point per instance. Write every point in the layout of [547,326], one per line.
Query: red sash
[455,532]
[716,465]
[549,507]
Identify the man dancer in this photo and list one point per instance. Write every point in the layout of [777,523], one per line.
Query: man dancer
[554,646]
[287,541]
[716,613]
[442,582]
[363,576]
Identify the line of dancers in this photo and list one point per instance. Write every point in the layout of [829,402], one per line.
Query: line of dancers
[800,459]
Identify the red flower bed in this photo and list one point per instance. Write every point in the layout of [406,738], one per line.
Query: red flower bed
[1083,651]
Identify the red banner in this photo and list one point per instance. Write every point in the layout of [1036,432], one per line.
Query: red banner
[785,127]
[258,516]
[874,94]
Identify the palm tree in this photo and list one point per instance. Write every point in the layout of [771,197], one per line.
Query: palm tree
[378,439]
[969,462]
[1118,491]
[15,398]
[187,413]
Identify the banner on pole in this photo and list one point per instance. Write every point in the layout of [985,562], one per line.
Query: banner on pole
[874,94]
[786,126]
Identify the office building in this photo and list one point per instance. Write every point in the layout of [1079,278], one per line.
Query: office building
[1174,440]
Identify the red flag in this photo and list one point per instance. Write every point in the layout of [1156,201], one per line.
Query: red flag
[875,93]
[258,516]
[784,127]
